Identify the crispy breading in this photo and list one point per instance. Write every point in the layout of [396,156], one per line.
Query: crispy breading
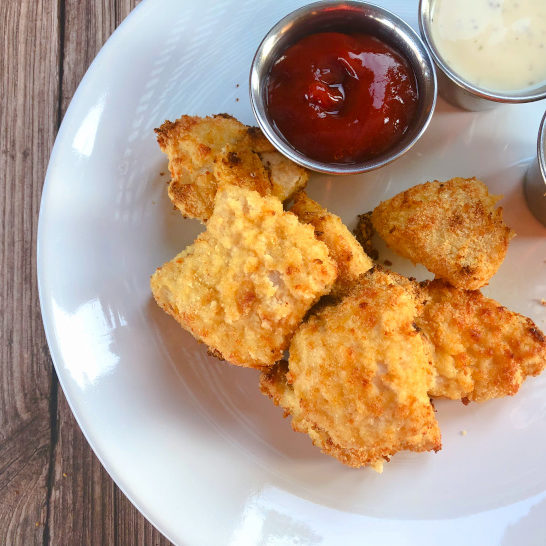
[481,349]
[203,152]
[245,284]
[364,232]
[349,256]
[358,376]
[241,168]
[452,228]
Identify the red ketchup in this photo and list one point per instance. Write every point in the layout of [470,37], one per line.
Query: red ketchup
[341,98]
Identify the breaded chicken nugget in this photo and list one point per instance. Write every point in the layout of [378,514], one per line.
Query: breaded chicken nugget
[358,376]
[245,284]
[481,349]
[205,151]
[343,247]
[241,168]
[452,228]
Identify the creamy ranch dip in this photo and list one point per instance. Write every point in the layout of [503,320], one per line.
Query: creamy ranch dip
[499,45]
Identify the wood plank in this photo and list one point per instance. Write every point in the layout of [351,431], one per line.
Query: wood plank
[82,498]
[132,527]
[86,506]
[28,122]
[123,8]
[86,26]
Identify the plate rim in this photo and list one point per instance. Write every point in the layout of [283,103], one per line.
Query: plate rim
[45,308]
[45,311]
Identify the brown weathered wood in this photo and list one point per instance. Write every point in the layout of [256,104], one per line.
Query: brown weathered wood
[123,8]
[82,496]
[86,26]
[53,489]
[132,528]
[28,123]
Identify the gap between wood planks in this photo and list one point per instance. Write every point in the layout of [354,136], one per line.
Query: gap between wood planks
[54,390]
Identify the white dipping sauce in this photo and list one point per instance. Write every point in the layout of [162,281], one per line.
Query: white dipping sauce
[499,45]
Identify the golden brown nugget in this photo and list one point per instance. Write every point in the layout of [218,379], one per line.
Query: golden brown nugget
[205,151]
[481,349]
[245,284]
[358,376]
[349,256]
[452,228]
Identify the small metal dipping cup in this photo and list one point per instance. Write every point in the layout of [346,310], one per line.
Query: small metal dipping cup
[459,91]
[347,17]
[535,180]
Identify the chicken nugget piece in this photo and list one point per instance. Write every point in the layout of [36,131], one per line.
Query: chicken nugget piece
[192,145]
[242,168]
[481,349]
[358,375]
[203,152]
[349,256]
[452,228]
[255,140]
[286,177]
[245,284]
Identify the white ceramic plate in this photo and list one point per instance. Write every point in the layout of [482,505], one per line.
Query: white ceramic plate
[189,439]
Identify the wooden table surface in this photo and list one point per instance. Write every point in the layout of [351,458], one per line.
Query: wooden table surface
[53,490]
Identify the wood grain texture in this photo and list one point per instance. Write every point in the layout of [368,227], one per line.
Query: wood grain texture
[28,123]
[53,489]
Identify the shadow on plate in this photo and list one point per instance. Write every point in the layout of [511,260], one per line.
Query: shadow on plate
[228,396]
[529,530]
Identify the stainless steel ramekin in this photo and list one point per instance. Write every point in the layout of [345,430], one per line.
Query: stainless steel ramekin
[535,181]
[343,17]
[456,89]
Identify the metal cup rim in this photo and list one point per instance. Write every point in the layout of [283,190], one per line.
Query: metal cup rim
[258,102]
[478,92]
[541,147]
